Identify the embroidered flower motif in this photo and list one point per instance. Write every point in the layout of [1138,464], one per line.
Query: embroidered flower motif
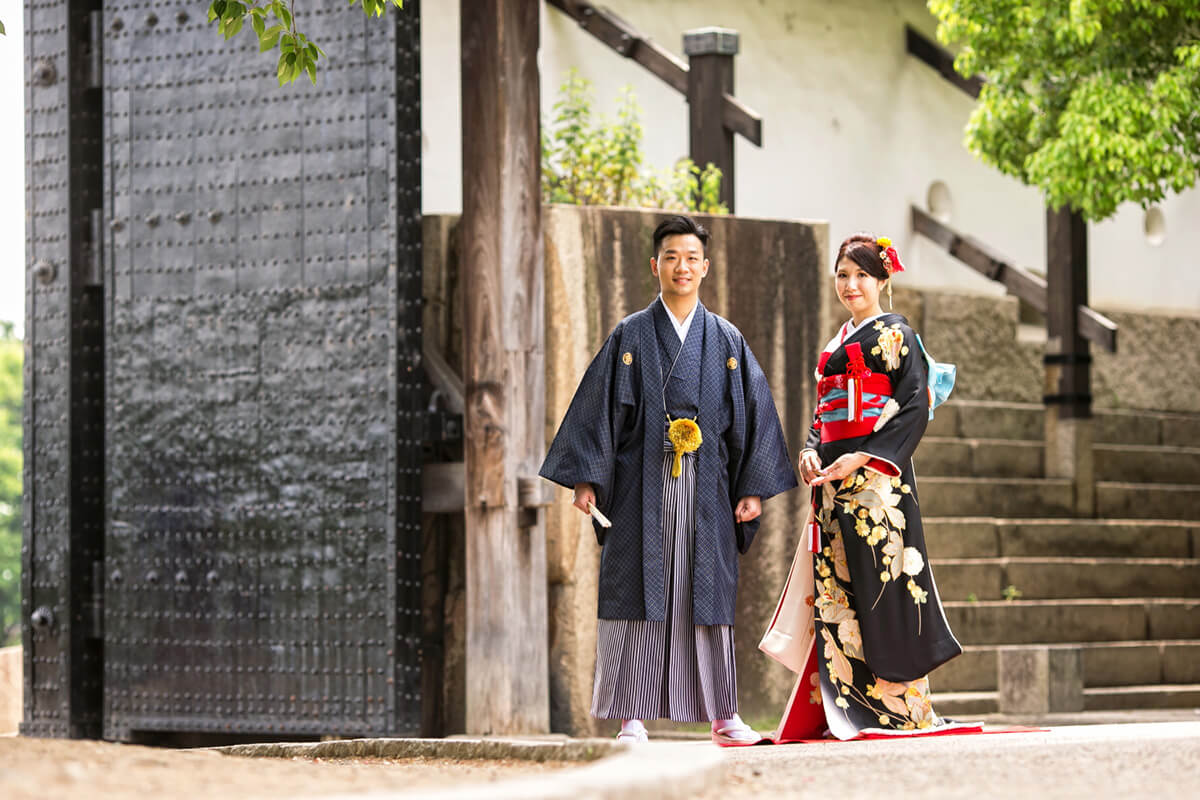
[851,638]
[815,698]
[891,340]
[890,409]
[913,561]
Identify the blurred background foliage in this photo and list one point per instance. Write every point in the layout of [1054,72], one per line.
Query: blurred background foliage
[11,357]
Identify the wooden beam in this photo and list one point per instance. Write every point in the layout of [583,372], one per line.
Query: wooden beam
[1097,328]
[710,53]
[1066,349]
[626,40]
[921,47]
[507,672]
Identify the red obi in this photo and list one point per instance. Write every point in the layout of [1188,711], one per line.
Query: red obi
[860,390]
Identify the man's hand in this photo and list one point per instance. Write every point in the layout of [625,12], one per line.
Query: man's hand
[842,468]
[810,466]
[584,494]
[748,508]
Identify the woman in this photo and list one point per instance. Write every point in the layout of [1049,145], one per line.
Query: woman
[867,622]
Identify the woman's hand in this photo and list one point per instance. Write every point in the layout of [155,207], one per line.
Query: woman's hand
[810,466]
[748,508]
[584,494]
[844,467]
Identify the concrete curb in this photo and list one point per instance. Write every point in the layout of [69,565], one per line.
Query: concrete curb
[669,770]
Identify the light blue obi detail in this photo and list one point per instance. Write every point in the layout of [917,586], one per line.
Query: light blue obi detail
[842,414]
[941,378]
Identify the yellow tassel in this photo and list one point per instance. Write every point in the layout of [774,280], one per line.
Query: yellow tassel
[685,437]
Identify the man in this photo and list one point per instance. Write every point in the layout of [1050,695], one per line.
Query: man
[673,436]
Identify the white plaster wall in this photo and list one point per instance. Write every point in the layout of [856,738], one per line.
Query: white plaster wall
[855,131]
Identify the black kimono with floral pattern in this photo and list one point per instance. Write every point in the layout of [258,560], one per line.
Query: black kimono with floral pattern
[879,624]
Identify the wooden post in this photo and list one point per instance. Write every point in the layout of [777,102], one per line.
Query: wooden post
[1068,395]
[507,673]
[710,53]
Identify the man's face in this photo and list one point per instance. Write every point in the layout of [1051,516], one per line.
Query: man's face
[680,266]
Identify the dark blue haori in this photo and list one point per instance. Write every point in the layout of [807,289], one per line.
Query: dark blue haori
[612,437]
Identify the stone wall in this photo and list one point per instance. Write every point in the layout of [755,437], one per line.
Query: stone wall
[980,334]
[11,697]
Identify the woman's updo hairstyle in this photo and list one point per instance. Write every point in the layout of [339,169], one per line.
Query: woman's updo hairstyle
[863,249]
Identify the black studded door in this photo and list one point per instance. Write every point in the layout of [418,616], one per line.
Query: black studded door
[262,301]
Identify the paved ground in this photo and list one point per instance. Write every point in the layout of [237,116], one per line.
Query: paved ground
[1158,760]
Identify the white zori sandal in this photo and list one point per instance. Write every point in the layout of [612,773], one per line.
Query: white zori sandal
[633,731]
[734,733]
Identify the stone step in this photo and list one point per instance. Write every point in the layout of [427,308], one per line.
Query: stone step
[979,458]
[1146,500]
[997,497]
[1146,464]
[1016,458]
[1065,577]
[985,419]
[980,537]
[963,705]
[1179,695]
[1104,664]
[991,622]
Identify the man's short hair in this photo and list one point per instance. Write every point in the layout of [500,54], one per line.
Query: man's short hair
[677,225]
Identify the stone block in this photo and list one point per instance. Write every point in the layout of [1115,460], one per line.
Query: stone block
[1172,619]
[1024,421]
[944,423]
[1093,577]
[1054,621]
[1122,663]
[1147,501]
[1148,464]
[1039,680]
[1101,538]
[973,671]
[961,537]
[1181,430]
[943,456]
[1009,459]
[12,696]
[1141,697]
[959,579]
[996,497]
[1116,426]
[1181,662]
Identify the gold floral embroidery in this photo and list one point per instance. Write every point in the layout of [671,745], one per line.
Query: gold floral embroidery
[891,341]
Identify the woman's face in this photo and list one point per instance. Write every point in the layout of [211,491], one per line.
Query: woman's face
[858,290]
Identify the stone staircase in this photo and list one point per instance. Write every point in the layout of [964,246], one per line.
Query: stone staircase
[1014,567]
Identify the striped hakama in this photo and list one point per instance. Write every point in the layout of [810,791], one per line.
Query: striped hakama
[672,669]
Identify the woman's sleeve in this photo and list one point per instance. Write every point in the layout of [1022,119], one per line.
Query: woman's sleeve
[903,421]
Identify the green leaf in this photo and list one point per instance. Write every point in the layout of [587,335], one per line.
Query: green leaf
[258,24]
[2,31]
[216,10]
[311,69]
[284,15]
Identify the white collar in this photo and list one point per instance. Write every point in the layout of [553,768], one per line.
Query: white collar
[681,328]
[847,330]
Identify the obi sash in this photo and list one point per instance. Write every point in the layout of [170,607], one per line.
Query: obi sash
[849,405]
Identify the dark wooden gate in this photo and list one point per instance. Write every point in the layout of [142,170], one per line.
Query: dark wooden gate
[247,544]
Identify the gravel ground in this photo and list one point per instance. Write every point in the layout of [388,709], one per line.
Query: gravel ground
[50,769]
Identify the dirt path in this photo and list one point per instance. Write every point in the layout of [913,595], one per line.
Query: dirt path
[55,769]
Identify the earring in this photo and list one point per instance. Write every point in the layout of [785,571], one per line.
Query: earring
[889,288]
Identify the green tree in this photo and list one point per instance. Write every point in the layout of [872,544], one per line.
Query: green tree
[11,357]
[1095,102]
[274,23]
[588,160]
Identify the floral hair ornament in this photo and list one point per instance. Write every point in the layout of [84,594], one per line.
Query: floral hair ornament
[891,262]
[889,256]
